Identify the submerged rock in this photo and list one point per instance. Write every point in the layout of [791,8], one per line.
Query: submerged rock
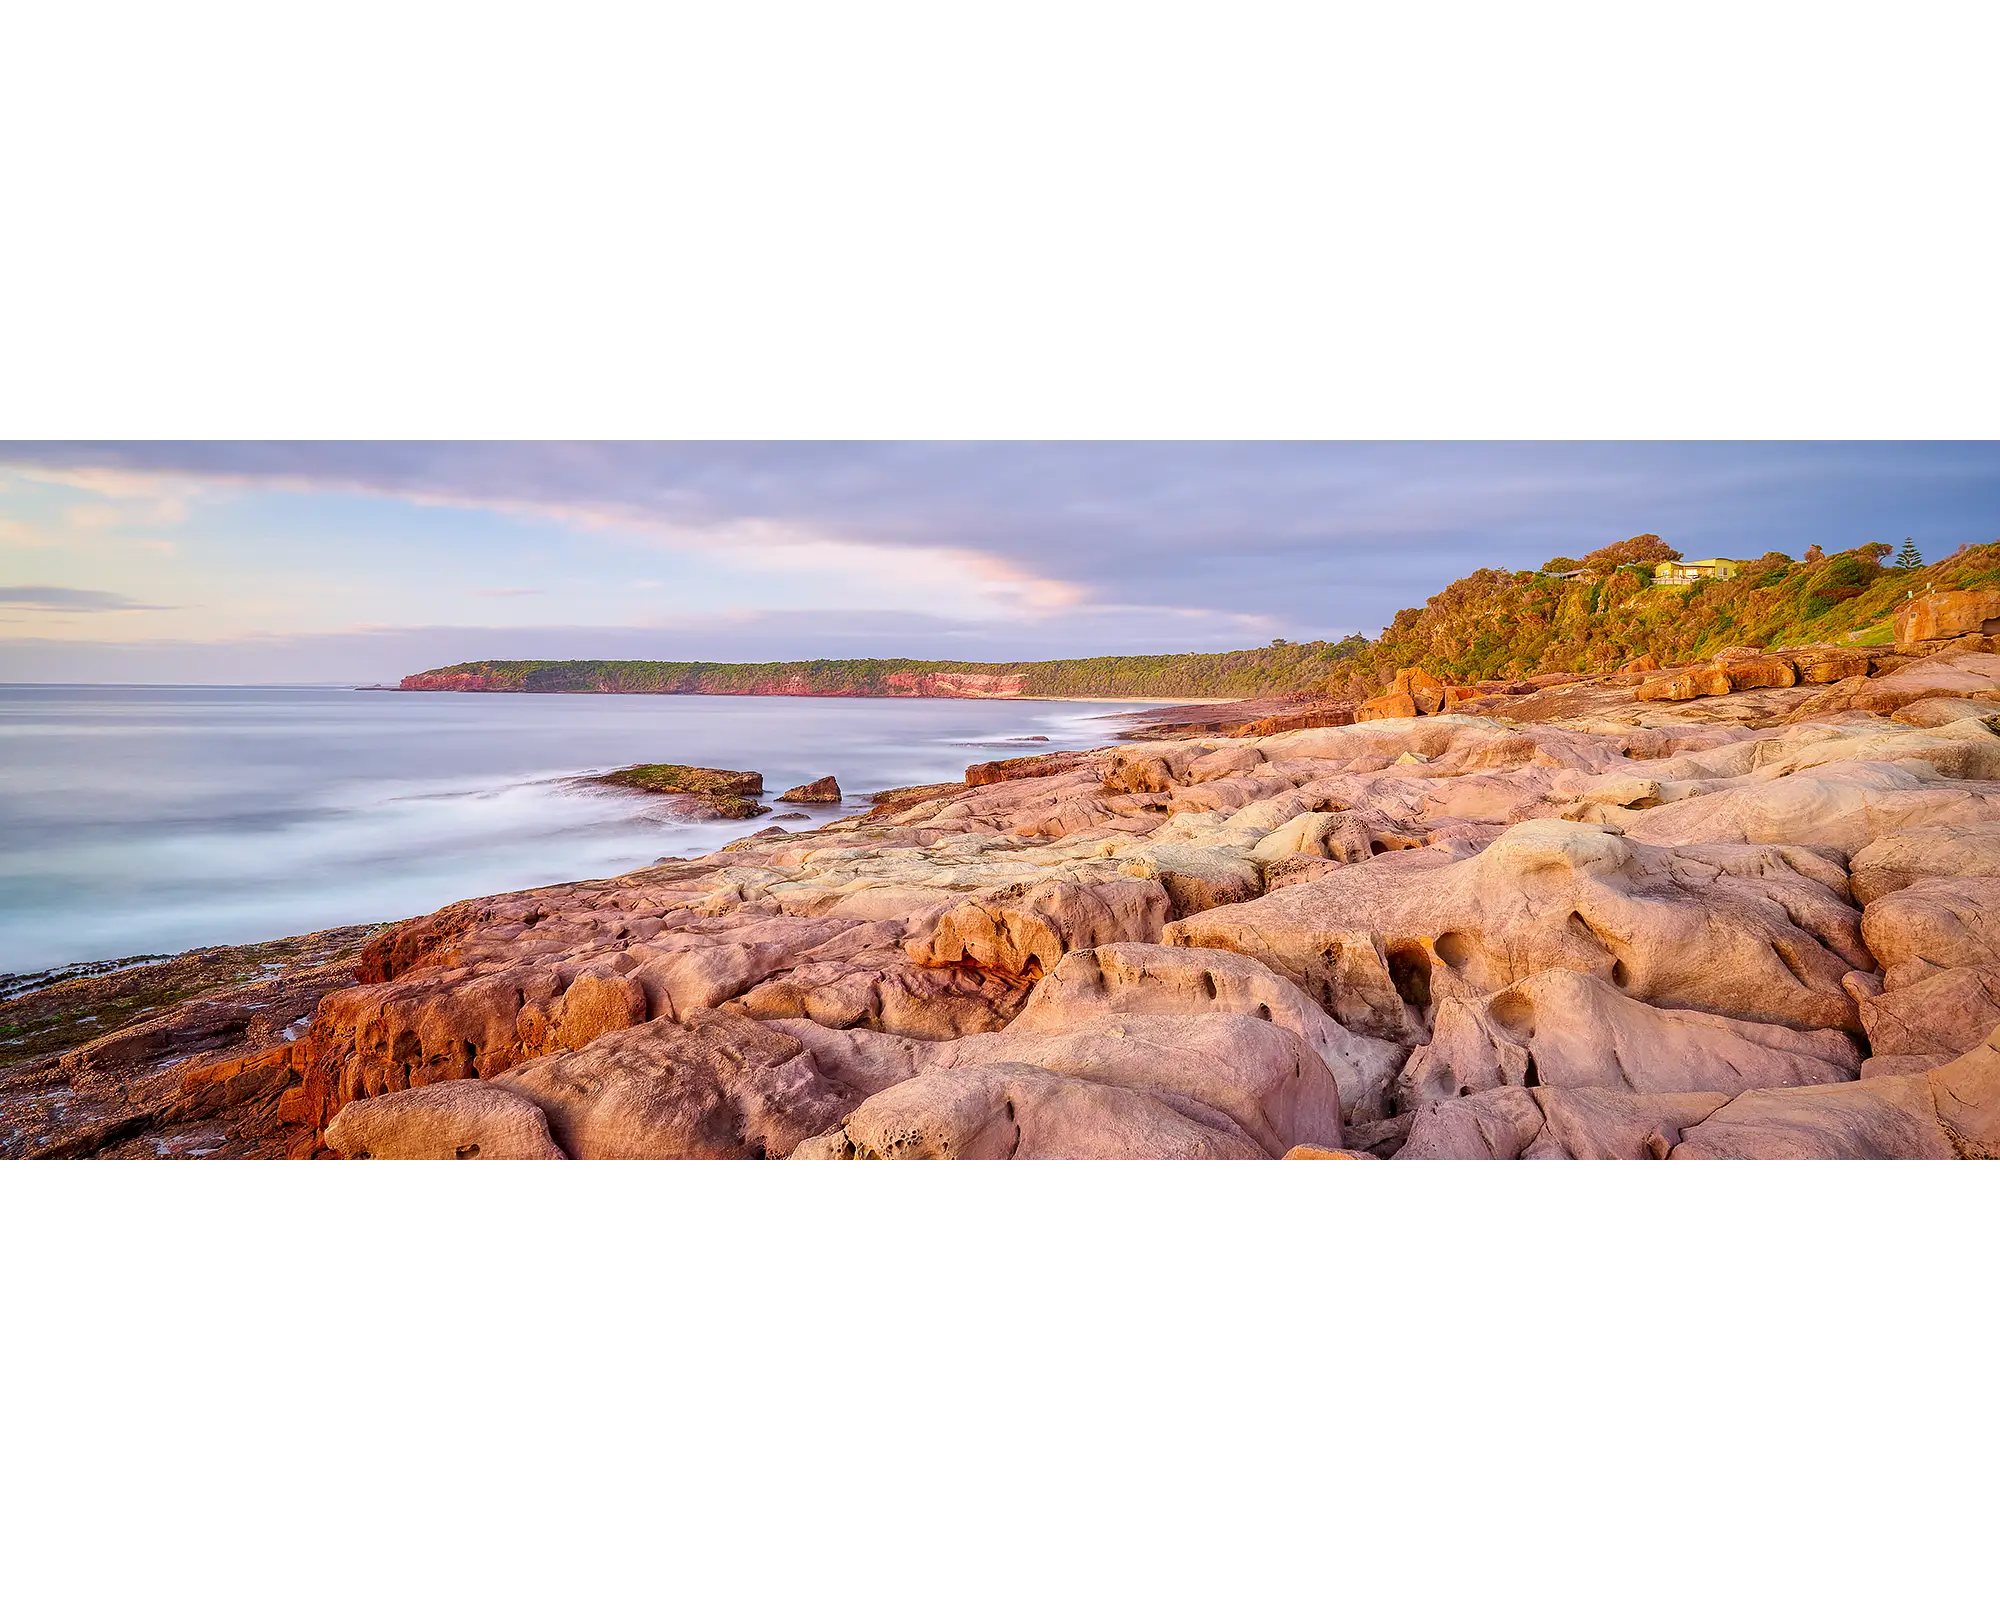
[718,793]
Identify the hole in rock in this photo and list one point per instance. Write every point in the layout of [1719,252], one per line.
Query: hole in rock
[1264,1011]
[1208,985]
[1584,930]
[1532,1078]
[465,1152]
[1621,974]
[1514,1012]
[1453,949]
[1464,1089]
[1410,972]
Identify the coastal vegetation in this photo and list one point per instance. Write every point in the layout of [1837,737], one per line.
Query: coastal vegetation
[1572,615]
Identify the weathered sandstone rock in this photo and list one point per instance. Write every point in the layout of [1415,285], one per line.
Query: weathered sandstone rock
[1942,1015]
[1014,1112]
[1569,1030]
[1950,615]
[1385,706]
[1962,675]
[1025,931]
[718,793]
[1934,925]
[713,1087]
[1156,980]
[1900,859]
[455,1121]
[1943,710]
[821,791]
[1515,1124]
[1236,1074]
[1606,926]
[1760,935]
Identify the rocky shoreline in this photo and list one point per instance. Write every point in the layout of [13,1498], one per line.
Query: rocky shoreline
[1749,908]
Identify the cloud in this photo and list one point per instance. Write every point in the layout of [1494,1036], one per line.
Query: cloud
[1116,542]
[20,536]
[45,597]
[1320,534]
[500,594]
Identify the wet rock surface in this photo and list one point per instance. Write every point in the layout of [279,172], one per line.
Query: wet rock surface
[1579,918]
[699,793]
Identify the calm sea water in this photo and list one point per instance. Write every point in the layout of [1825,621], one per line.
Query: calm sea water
[153,820]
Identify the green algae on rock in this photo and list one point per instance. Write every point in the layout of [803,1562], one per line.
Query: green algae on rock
[726,794]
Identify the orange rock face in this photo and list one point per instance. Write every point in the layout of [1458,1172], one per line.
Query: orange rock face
[1953,614]
[1384,706]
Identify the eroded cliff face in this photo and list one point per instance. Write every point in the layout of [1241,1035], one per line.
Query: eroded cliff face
[1561,919]
[958,685]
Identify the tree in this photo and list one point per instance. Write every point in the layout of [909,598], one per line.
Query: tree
[1560,564]
[1908,559]
[1647,548]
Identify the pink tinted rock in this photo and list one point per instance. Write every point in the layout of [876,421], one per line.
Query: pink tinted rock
[462,1120]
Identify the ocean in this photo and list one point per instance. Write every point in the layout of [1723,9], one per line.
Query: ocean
[140,820]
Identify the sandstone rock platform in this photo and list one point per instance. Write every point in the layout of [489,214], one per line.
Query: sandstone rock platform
[1749,909]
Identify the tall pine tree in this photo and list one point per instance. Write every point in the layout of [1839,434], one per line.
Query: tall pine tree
[1907,558]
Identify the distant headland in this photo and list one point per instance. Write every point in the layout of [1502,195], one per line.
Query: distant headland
[1628,601]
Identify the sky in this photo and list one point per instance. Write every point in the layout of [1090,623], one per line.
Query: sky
[359,563]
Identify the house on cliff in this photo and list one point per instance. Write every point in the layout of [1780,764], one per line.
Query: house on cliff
[1683,572]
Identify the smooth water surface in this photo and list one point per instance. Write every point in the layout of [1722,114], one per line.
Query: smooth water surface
[138,820]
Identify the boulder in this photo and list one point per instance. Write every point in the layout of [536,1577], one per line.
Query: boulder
[1943,710]
[714,791]
[1228,1071]
[1691,685]
[462,1120]
[1841,807]
[1892,1118]
[1513,1124]
[1764,935]
[1570,1030]
[1156,980]
[1023,930]
[886,990]
[1426,691]
[821,791]
[1900,859]
[1943,1015]
[1385,707]
[1262,1078]
[1761,672]
[715,1086]
[1955,675]
[1014,1112]
[1933,926]
[1953,614]
[1830,666]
